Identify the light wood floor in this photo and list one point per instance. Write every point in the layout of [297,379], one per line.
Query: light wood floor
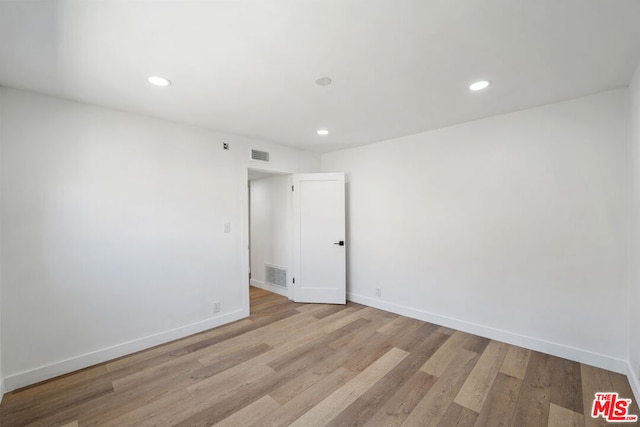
[316,365]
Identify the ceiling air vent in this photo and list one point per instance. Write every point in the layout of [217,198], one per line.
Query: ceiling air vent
[261,156]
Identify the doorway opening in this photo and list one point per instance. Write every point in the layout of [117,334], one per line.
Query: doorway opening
[294,231]
[269,231]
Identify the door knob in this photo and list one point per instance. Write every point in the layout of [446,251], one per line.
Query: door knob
[340,243]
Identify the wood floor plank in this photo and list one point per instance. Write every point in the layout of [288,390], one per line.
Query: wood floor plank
[430,410]
[52,388]
[438,363]
[403,402]
[226,360]
[224,405]
[410,337]
[515,362]
[293,345]
[192,350]
[309,307]
[446,331]
[375,349]
[274,332]
[101,410]
[620,383]
[500,405]
[276,335]
[375,315]
[250,414]
[566,385]
[393,326]
[350,346]
[476,344]
[143,394]
[460,416]
[332,405]
[327,310]
[533,403]
[230,379]
[53,404]
[355,345]
[563,417]
[132,359]
[104,408]
[318,345]
[306,335]
[476,387]
[168,410]
[594,380]
[270,334]
[329,365]
[307,399]
[173,369]
[363,408]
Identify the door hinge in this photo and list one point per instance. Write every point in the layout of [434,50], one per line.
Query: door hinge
[294,280]
[292,188]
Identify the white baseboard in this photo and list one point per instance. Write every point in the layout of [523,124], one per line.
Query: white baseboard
[555,349]
[268,287]
[634,381]
[1,389]
[42,373]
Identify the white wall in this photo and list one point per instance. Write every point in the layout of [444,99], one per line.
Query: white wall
[270,228]
[1,375]
[634,290]
[1,139]
[112,232]
[512,227]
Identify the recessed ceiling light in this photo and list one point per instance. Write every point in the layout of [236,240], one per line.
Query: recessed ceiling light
[479,85]
[159,81]
[323,132]
[323,81]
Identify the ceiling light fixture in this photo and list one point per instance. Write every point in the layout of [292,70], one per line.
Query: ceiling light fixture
[159,81]
[479,85]
[324,81]
[323,132]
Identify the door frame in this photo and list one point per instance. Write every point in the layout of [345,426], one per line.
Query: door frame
[244,226]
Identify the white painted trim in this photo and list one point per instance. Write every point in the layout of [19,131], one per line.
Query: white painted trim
[1,389]
[555,349]
[269,287]
[244,240]
[42,373]
[634,381]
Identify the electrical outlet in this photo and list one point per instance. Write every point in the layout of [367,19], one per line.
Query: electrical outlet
[216,307]
[378,292]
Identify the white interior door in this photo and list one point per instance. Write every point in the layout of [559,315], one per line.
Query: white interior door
[319,249]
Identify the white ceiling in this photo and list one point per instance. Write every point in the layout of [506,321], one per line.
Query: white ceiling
[248,67]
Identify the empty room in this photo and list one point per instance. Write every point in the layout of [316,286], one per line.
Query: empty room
[319,213]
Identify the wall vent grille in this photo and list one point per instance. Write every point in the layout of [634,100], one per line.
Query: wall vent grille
[262,156]
[275,275]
